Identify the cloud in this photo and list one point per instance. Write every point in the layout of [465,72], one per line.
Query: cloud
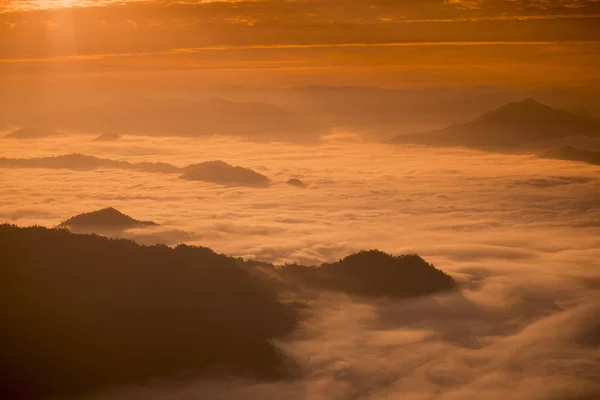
[180,25]
[552,181]
[447,347]
[524,325]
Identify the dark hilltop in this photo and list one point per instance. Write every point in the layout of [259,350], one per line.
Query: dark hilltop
[106,219]
[374,273]
[225,174]
[91,313]
[297,182]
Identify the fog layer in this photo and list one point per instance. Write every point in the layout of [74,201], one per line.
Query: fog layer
[519,233]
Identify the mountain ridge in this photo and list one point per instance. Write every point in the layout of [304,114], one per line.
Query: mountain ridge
[512,126]
[106,218]
[188,118]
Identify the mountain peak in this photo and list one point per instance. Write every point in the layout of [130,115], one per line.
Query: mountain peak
[528,108]
[532,115]
[224,174]
[110,211]
[513,125]
[106,218]
[31,132]
[529,101]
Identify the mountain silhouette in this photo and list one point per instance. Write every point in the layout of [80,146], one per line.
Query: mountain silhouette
[211,171]
[512,126]
[225,174]
[571,153]
[84,162]
[175,117]
[375,273]
[67,161]
[296,182]
[105,219]
[31,132]
[81,313]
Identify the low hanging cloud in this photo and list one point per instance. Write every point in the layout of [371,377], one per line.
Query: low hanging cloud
[493,343]
[523,326]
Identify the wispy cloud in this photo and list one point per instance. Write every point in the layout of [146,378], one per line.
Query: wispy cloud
[192,50]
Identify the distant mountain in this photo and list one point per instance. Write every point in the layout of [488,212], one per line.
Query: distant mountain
[375,273]
[31,132]
[225,174]
[512,126]
[67,161]
[105,219]
[296,182]
[571,153]
[173,117]
[84,162]
[211,171]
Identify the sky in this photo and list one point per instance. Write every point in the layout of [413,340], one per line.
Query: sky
[104,44]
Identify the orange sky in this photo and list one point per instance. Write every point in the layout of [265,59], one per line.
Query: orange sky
[389,43]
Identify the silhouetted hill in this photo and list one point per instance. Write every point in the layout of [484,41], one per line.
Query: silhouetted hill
[222,173]
[84,162]
[511,126]
[107,137]
[105,219]
[31,132]
[296,182]
[67,161]
[210,171]
[173,117]
[571,153]
[83,312]
[375,273]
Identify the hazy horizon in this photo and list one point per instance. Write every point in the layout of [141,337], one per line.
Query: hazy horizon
[267,199]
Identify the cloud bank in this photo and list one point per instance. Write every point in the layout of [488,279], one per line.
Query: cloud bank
[520,236]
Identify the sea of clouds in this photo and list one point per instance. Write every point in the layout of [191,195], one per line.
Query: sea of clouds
[521,234]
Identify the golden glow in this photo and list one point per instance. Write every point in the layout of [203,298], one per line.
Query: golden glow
[25,5]
[305,42]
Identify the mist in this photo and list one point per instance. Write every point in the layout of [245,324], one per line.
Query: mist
[519,236]
[341,199]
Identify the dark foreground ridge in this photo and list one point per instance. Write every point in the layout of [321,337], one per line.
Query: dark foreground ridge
[375,273]
[82,313]
[105,219]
